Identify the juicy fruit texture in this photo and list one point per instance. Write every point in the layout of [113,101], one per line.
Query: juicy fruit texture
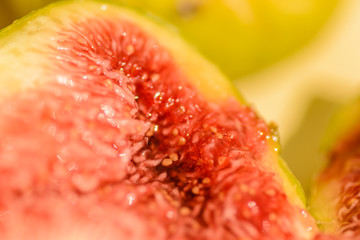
[240,36]
[339,182]
[110,133]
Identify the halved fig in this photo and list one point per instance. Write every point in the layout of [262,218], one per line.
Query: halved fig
[335,200]
[113,128]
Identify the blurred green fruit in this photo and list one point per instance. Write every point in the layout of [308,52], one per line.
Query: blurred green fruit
[241,36]
[11,10]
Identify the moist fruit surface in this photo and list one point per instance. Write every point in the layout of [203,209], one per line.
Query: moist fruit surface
[117,140]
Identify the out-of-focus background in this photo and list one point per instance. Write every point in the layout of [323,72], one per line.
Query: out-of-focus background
[303,91]
[296,61]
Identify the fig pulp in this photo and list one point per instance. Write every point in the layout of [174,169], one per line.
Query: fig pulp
[113,128]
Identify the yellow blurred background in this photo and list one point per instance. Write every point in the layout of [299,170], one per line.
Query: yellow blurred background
[302,92]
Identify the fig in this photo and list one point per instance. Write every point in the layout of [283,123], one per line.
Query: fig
[338,184]
[240,36]
[113,128]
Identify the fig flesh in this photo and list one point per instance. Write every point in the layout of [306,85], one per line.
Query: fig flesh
[113,128]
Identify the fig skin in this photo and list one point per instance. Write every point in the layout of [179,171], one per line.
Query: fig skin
[239,36]
[18,45]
